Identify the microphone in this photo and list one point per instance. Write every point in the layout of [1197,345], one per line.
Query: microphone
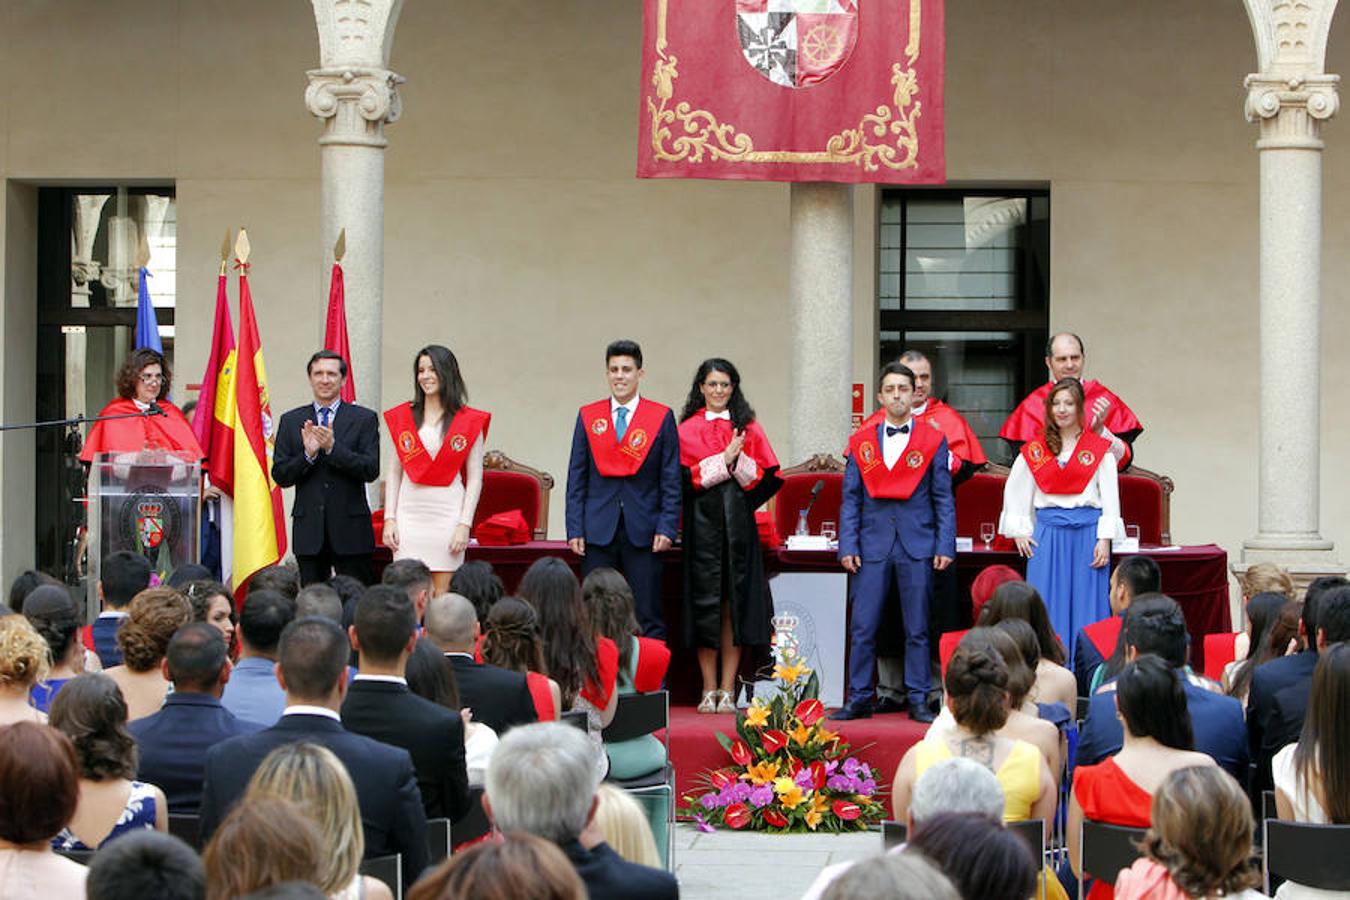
[155,409]
[803,517]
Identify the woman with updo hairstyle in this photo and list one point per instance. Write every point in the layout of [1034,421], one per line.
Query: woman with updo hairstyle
[58,617]
[1200,842]
[518,867]
[142,386]
[259,844]
[23,663]
[39,787]
[511,641]
[91,712]
[27,581]
[1019,600]
[152,618]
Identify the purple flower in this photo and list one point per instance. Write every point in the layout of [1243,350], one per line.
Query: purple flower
[803,779]
[866,770]
[708,801]
[851,766]
[868,787]
[761,796]
[703,825]
[839,782]
[831,766]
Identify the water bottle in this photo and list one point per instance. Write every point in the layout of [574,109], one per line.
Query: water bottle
[803,526]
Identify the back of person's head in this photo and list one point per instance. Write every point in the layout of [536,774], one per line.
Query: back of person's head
[287,890]
[1019,600]
[311,777]
[542,780]
[122,576]
[1323,752]
[624,824]
[152,618]
[1139,575]
[1333,616]
[261,843]
[24,655]
[349,588]
[1316,588]
[39,782]
[1202,832]
[56,616]
[430,675]
[955,785]
[385,622]
[1152,701]
[986,582]
[1284,632]
[1021,678]
[186,574]
[318,599]
[610,604]
[197,654]
[1154,624]
[518,867]
[1263,578]
[977,687]
[477,581]
[452,622]
[28,581]
[91,712]
[1263,612]
[312,655]
[408,575]
[145,864]
[264,617]
[980,858]
[550,586]
[1024,636]
[282,579]
[511,637]
[896,876]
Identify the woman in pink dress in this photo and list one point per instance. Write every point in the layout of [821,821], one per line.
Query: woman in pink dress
[435,476]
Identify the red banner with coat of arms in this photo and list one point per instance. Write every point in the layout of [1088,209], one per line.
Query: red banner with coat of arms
[793,90]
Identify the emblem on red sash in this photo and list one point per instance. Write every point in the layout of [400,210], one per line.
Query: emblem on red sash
[1086,458]
[895,483]
[420,466]
[1074,476]
[914,459]
[599,426]
[867,453]
[621,458]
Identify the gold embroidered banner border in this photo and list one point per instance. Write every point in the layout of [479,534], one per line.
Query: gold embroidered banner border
[893,128]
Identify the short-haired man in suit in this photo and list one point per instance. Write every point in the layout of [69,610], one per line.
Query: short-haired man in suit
[312,669]
[121,576]
[623,484]
[380,706]
[1133,577]
[542,780]
[253,692]
[499,698]
[328,450]
[413,578]
[173,742]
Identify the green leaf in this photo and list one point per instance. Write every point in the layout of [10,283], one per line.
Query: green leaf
[725,741]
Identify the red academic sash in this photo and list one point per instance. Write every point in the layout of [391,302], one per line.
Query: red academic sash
[961,440]
[1074,477]
[1104,635]
[898,483]
[620,459]
[169,431]
[421,466]
[653,659]
[607,664]
[701,438]
[1028,419]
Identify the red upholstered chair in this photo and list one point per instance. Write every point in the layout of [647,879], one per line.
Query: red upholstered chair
[980,499]
[1146,501]
[1220,650]
[796,493]
[509,485]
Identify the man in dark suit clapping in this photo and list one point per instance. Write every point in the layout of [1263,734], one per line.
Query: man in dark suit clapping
[499,698]
[328,450]
[312,669]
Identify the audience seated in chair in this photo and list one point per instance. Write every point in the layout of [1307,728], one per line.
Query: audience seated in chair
[989,579]
[253,693]
[543,781]
[1272,622]
[512,641]
[23,663]
[1019,600]
[518,867]
[431,677]
[499,698]
[621,822]
[152,618]
[57,616]
[1133,577]
[979,857]
[172,743]
[30,580]
[261,844]
[897,876]
[39,779]
[147,865]
[122,576]
[477,581]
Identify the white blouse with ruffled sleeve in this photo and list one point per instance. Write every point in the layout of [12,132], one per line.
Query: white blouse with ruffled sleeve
[1022,497]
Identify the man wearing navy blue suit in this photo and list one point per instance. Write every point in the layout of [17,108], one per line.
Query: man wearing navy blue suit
[897,524]
[623,484]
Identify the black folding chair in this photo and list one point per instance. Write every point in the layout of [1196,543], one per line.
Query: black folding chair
[1106,850]
[80,856]
[577,719]
[475,823]
[639,715]
[893,834]
[187,829]
[438,840]
[1315,856]
[388,869]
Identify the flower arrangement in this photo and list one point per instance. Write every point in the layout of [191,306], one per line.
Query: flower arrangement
[788,772]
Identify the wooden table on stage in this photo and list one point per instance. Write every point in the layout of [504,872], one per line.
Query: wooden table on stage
[1196,577]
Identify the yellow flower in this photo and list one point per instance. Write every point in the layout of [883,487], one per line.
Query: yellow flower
[801,734]
[757,716]
[813,819]
[789,795]
[825,736]
[763,773]
[820,803]
[791,673]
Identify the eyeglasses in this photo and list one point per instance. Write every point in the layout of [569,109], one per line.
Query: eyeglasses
[149,378]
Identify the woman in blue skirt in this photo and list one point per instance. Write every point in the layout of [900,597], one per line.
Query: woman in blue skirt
[1061,505]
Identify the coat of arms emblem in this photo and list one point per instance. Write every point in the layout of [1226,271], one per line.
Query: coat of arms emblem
[797,43]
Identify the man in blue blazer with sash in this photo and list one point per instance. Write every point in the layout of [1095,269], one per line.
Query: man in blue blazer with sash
[623,484]
[897,524]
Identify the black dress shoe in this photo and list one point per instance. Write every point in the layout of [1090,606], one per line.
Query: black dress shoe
[920,712]
[853,711]
[884,705]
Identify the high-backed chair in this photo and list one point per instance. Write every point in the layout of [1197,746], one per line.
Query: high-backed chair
[1146,501]
[979,499]
[509,485]
[795,494]
[1106,850]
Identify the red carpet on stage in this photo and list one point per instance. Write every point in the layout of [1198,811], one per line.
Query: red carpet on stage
[694,748]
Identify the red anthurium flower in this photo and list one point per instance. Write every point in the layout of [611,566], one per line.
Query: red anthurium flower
[795,766]
[737,816]
[817,774]
[740,753]
[775,818]
[773,741]
[810,711]
[721,779]
[843,809]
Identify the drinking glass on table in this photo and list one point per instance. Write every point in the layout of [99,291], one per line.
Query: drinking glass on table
[828,530]
[1132,534]
[987,533]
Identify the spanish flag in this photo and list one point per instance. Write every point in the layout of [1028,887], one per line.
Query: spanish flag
[259,522]
[213,421]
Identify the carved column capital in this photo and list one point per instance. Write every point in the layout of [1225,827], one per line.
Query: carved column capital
[1291,108]
[355,103]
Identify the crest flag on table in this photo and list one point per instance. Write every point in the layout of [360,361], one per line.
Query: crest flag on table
[793,90]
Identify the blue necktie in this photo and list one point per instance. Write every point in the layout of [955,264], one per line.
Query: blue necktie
[323,416]
[621,425]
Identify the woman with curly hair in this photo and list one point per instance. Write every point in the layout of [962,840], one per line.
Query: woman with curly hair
[142,387]
[213,604]
[91,712]
[58,617]
[152,618]
[23,663]
[1200,843]
[511,641]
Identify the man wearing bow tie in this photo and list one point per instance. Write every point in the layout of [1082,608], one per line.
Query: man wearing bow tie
[897,524]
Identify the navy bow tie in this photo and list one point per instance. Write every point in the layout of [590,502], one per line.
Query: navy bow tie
[892,431]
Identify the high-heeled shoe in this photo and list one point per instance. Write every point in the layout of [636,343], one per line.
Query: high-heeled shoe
[726,702]
[709,702]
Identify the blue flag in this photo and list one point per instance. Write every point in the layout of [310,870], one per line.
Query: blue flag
[147,326]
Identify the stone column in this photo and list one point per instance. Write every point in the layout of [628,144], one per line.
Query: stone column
[820,292]
[355,94]
[1290,98]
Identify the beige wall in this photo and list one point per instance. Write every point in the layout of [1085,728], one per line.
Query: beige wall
[517,234]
